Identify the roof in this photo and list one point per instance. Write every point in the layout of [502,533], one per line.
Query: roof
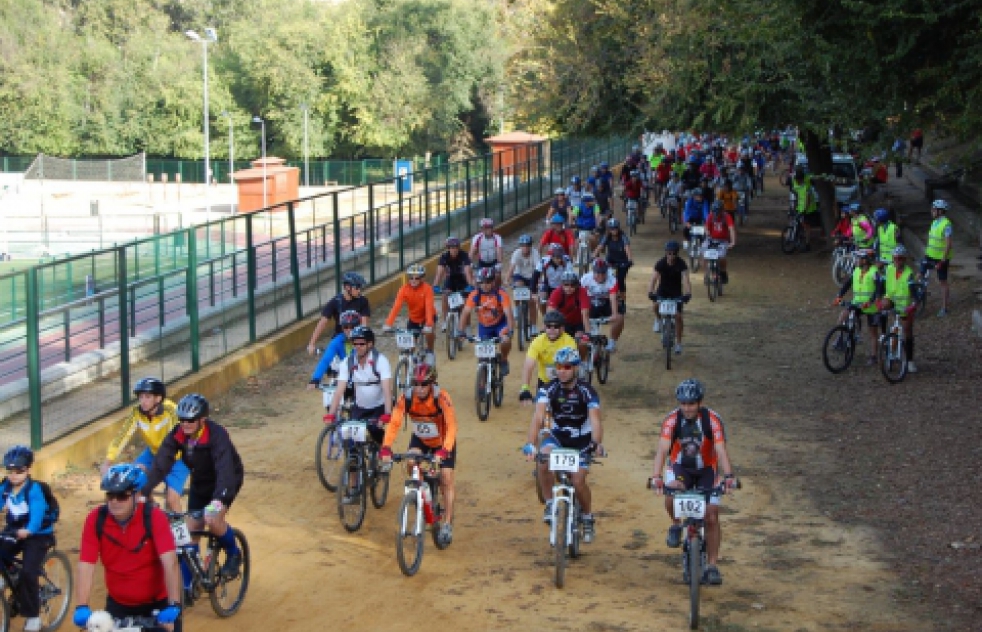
[515,137]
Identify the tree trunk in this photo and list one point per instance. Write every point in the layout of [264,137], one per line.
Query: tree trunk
[819,155]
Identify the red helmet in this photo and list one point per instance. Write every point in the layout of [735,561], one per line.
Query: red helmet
[600,266]
[424,374]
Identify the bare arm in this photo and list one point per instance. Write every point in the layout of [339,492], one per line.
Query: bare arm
[172,576]
[664,445]
[686,285]
[537,419]
[84,572]
[595,423]
[318,330]
[339,389]
[387,394]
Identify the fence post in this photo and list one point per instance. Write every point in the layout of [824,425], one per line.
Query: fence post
[402,227]
[370,229]
[192,300]
[449,207]
[467,191]
[426,213]
[486,184]
[501,194]
[34,356]
[250,275]
[294,260]
[337,242]
[124,326]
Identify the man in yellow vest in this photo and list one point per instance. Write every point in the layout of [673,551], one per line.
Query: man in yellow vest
[937,254]
[807,204]
[887,233]
[898,296]
[863,284]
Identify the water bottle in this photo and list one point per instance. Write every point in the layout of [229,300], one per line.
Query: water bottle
[428,504]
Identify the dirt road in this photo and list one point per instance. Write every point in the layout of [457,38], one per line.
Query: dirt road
[825,534]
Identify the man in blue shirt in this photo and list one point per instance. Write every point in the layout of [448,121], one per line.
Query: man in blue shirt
[696,211]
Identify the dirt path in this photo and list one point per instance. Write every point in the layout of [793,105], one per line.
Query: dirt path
[800,549]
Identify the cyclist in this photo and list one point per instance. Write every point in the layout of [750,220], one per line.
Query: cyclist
[743,183]
[141,569]
[670,279]
[154,416]
[842,232]
[864,285]
[541,352]
[494,314]
[572,301]
[663,173]
[729,197]
[673,193]
[721,230]
[695,213]
[370,373]
[524,272]
[557,233]
[417,295]
[603,189]
[602,290]
[633,189]
[216,473]
[575,191]
[807,205]
[552,267]
[897,296]
[693,442]
[576,424]
[434,426]
[486,249]
[887,233]
[937,254]
[709,170]
[863,232]
[560,206]
[586,216]
[350,298]
[337,350]
[29,527]
[454,271]
[618,255]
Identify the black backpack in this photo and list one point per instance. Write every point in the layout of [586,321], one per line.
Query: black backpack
[372,362]
[704,423]
[100,526]
[53,512]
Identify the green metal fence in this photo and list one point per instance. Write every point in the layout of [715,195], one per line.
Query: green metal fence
[75,331]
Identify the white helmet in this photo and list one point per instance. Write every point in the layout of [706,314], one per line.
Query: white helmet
[940,205]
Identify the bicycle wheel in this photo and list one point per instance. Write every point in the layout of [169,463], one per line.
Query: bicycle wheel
[695,580]
[522,325]
[55,585]
[497,386]
[893,358]
[352,493]
[409,536]
[694,258]
[402,380]
[667,339]
[576,533]
[632,223]
[559,525]
[5,596]
[603,366]
[482,398]
[439,512]
[228,592]
[379,482]
[538,484]
[327,458]
[838,349]
[673,222]
[789,240]
[712,286]
[451,335]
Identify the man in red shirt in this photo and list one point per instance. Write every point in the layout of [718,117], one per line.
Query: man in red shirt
[558,234]
[633,188]
[720,229]
[573,302]
[141,569]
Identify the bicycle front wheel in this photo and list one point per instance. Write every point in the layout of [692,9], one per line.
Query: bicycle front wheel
[5,595]
[667,340]
[603,366]
[409,536]
[695,580]
[482,396]
[452,335]
[402,380]
[379,483]
[893,358]
[789,240]
[838,350]
[352,494]
[229,591]
[522,325]
[497,386]
[327,458]
[712,287]
[559,524]
[55,585]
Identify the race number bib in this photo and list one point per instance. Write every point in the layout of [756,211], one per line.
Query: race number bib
[353,431]
[711,254]
[426,430]
[484,350]
[405,341]
[182,536]
[521,293]
[689,506]
[328,395]
[667,308]
[455,300]
[561,460]
[697,231]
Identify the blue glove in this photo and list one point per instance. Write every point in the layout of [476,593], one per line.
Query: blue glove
[437,289]
[168,615]
[528,449]
[469,289]
[81,617]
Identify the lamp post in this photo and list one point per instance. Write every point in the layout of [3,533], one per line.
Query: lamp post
[231,145]
[210,37]
[306,154]
[262,123]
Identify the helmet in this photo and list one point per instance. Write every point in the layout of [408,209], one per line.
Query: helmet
[594,169]
[672,246]
[600,266]
[693,160]
[424,373]
[18,456]
[485,275]
[604,165]
[556,250]
[363,333]
[570,277]
[150,385]
[353,279]
[525,240]
[613,223]
[940,205]
[690,391]
[557,219]
[697,191]
[855,207]
[588,197]
[192,406]
[452,242]
[567,355]
[635,148]
[881,215]
[123,477]
[574,180]
[349,318]
[415,271]
[717,206]
[635,174]
[487,222]
[900,251]
[559,192]
[554,317]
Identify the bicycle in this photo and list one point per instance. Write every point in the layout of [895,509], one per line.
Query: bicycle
[631,207]
[521,295]
[55,583]
[327,453]
[893,351]
[412,352]
[667,310]
[599,357]
[742,207]
[124,624]
[713,278]
[206,572]
[360,473]
[840,343]
[421,510]
[843,261]
[674,204]
[919,288]
[455,305]
[793,235]
[583,251]
[489,385]
[694,246]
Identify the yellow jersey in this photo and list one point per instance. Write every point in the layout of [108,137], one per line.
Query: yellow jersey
[153,429]
[543,350]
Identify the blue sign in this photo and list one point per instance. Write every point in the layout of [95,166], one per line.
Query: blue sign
[403,171]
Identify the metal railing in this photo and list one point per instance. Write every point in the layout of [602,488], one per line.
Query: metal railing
[72,331]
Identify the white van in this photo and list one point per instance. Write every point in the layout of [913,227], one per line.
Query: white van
[847,189]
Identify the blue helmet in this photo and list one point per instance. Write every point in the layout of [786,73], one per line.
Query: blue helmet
[604,165]
[588,197]
[192,406]
[881,215]
[567,355]
[557,219]
[18,456]
[574,180]
[124,477]
[690,391]
[855,207]
[525,240]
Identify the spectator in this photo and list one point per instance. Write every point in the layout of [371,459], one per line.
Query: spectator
[916,142]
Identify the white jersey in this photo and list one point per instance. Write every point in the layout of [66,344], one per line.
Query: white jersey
[368,386]
[599,293]
[525,266]
[487,247]
[551,273]
[575,197]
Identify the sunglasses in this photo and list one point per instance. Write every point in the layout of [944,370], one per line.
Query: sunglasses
[17,470]
[554,327]
[415,278]
[188,421]
[564,367]
[119,496]
[359,344]
[422,384]
[569,284]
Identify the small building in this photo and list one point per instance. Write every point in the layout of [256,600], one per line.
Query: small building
[511,153]
[268,182]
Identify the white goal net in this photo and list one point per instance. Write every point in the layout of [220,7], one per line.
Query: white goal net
[129,169]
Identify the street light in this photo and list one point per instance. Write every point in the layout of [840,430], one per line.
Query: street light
[211,37]
[231,154]
[306,154]
[259,121]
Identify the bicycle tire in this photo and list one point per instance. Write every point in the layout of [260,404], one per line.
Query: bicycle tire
[437,509]
[668,338]
[893,369]
[789,241]
[673,223]
[408,513]
[522,325]
[711,284]
[497,386]
[695,582]
[352,514]
[482,398]
[603,366]
[838,349]
[576,533]
[221,584]
[540,494]
[402,380]
[838,271]
[5,610]
[56,584]
[379,482]
[559,524]
[327,458]
[452,335]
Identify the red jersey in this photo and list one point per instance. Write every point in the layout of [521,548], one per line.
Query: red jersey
[132,578]
[564,238]
[570,306]
[704,445]
[632,189]
[719,225]
[663,172]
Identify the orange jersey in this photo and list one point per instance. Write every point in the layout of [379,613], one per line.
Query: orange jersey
[419,300]
[729,200]
[489,306]
[436,428]
[690,445]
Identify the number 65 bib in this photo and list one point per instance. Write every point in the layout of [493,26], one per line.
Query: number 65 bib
[426,430]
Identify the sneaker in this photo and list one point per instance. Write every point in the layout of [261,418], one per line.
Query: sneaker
[678,348]
[943,312]
[657,327]
[589,528]
[446,533]
[712,576]
[32,624]
[547,514]
[911,367]
[611,345]
[505,368]
[232,565]
[674,539]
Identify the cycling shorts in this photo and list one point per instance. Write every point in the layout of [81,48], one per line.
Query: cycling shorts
[812,219]
[574,329]
[529,283]
[415,443]
[704,478]
[176,479]
[930,263]
[198,501]
[603,310]
[455,283]
[493,331]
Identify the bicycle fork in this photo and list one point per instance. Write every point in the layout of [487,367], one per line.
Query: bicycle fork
[562,493]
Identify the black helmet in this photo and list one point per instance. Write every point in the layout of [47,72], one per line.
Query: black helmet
[554,317]
[363,333]
[192,406]
[353,279]
[690,391]
[18,456]
[672,246]
[150,385]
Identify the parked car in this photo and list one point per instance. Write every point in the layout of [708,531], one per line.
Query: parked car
[845,174]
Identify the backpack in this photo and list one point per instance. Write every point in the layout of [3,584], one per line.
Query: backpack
[100,526]
[372,361]
[707,426]
[407,404]
[53,511]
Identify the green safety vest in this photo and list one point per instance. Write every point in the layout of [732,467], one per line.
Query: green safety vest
[859,235]
[898,290]
[863,288]
[887,236]
[936,239]
[801,190]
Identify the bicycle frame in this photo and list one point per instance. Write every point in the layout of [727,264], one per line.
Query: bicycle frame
[596,338]
[563,492]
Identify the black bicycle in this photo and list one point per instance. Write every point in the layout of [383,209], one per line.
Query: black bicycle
[360,473]
[55,584]
[840,343]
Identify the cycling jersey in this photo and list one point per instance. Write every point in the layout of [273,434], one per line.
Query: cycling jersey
[718,226]
[586,217]
[693,447]
[525,267]
[663,172]
[487,247]
[489,307]
[434,423]
[693,213]
[570,409]
[599,292]
[215,465]
[937,240]
[864,288]
[898,286]
[552,272]
[338,349]
[575,196]
[729,200]
[339,305]
[455,266]
[367,378]
[564,238]
[670,277]
[632,189]
[673,189]
[862,232]
[616,248]
[419,300]
[153,428]
[886,237]
[570,306]
[543,350]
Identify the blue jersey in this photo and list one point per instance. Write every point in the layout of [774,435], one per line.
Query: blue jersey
[25,510]
[338,348]
[586,217]
[694,214]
